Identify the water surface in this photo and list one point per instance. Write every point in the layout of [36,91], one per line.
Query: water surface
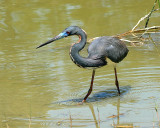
[41,88]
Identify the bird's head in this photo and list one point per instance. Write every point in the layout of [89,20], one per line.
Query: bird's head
[72,30]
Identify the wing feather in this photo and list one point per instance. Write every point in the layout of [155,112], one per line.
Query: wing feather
[107,46]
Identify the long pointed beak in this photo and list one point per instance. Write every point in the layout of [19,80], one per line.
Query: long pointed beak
[60,36]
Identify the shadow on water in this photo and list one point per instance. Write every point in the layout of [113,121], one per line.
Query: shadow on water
[96,119]
[99,96]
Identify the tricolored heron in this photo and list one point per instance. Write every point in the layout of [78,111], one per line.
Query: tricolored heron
[99,50]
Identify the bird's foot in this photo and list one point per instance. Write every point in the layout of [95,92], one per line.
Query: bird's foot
[83,101]
[80,103]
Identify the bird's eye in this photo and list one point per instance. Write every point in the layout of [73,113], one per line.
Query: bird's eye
[68,32]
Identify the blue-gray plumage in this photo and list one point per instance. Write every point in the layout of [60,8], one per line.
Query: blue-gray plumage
[99,50]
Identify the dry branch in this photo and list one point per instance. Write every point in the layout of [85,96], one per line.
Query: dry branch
[139,31]
[146,28]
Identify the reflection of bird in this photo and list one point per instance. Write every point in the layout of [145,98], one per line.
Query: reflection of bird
[100,49]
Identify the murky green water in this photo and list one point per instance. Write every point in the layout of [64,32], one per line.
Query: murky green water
[41,88]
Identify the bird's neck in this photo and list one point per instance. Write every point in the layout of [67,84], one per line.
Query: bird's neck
[81,42]
[77,47]
[80,61]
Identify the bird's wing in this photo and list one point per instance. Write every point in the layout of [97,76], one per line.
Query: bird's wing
[94,49]
[107,46]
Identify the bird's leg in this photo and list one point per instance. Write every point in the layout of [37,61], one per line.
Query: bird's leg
[116,80]
[91,86]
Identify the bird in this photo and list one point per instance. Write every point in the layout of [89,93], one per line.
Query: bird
[99,50]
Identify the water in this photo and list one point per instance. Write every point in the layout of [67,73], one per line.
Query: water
[41,88]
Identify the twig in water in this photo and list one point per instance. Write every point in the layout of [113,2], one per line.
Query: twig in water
[70,120]
[154,43]
[7,125]
[30,115]
[144,30]
[98,118]
[133,43]
[156,108]
[29,121]
[150,13]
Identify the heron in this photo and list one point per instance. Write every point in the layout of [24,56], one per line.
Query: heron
[99,50]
